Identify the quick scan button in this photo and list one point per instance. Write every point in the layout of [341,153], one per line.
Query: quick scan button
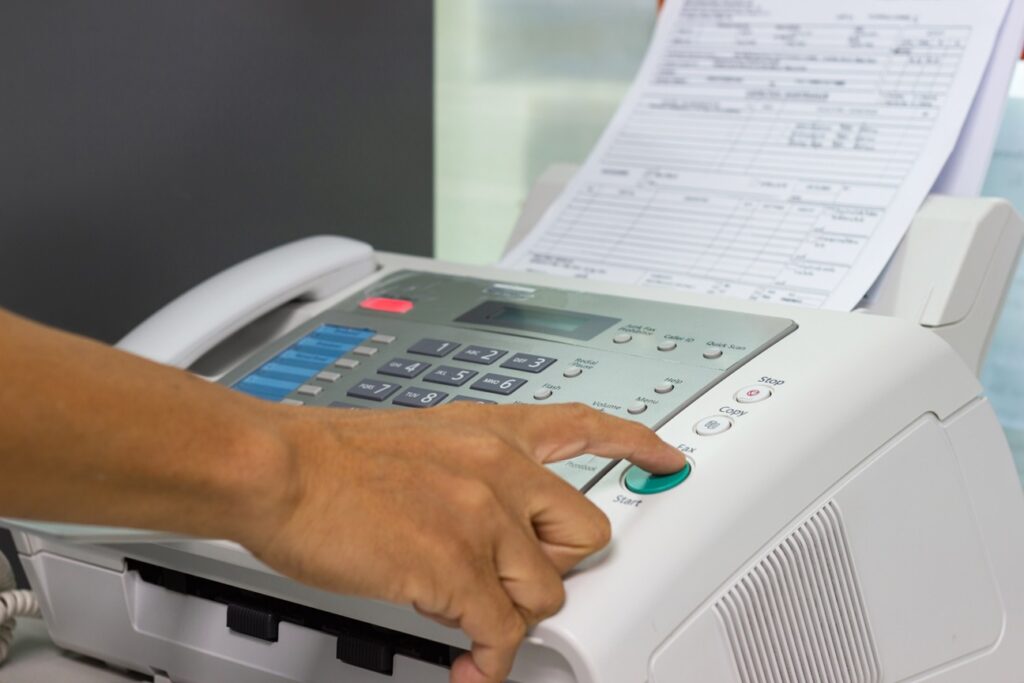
[713,354]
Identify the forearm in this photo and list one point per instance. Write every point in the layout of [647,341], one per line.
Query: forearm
[93,435]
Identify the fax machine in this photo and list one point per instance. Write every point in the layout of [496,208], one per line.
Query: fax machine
[850,513]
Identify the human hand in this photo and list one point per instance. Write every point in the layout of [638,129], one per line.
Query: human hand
[448,509]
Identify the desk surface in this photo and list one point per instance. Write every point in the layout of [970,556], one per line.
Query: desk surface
[35,658]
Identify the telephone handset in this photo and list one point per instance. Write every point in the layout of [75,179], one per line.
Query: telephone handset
[311,269]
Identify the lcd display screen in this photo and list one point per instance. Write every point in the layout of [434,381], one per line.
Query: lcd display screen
[570,324]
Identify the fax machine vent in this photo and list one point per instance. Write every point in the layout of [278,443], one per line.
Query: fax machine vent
[797,616]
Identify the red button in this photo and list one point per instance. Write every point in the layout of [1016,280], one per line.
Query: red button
[385,305]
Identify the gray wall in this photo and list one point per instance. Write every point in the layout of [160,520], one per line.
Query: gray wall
[146,145]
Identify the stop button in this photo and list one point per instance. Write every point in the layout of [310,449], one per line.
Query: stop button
[755,393]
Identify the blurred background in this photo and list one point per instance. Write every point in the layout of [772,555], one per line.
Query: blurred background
[520,85]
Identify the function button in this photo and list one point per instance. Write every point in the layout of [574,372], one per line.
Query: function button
[711,426]
[328,376]
[309,390]
[572,372]
[453,377]
[755,393]
[470,399]
[373,390]
[637,408]
[543,394]
[438,348]
[622,338]
[498,384]
[642,481]
[292,402]
[386,305]
[419,398]
[668,346]
[481,355]
[365,351]
[665,388]
[346,363]
[382,338]
[403,367]
[528,363]
[713,354]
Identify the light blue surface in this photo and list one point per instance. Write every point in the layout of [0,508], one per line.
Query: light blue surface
[291,368]
[1003,374]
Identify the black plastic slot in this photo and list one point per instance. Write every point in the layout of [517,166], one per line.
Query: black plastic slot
[359,644]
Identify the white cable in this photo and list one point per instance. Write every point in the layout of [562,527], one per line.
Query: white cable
[13,604]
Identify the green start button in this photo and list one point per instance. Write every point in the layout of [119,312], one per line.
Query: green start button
[642,481]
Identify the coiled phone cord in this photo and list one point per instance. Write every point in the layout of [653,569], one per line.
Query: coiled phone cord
[13,604]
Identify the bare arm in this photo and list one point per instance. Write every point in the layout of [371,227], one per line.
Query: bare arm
[449,509]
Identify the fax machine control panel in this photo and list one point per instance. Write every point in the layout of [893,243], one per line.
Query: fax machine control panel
[416,340]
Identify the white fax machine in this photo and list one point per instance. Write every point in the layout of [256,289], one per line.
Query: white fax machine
[850,513]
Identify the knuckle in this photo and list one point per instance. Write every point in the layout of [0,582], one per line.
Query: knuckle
[578,412]
[513,630]
[599,531]
[475,497]
[552,600]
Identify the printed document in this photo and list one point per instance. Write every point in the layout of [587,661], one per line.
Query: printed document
[772,150]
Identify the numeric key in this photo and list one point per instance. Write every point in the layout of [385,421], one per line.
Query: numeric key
[498,384]
[481,355]
[403,367]
[437,348]
[453,377]
[419,398]
[373,390]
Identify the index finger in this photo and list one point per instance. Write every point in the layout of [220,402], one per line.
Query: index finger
[560,432]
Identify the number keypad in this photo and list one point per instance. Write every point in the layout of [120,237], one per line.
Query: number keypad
[498,384]
[527,362]
[453,377]
[403,367]
[373,390]
[481,355]
[436,348]
[419,398]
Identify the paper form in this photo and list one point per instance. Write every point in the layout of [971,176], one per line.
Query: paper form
[772,150]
